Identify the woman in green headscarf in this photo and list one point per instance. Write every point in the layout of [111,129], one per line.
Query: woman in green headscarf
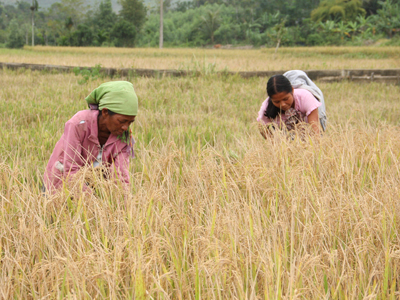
[99,136]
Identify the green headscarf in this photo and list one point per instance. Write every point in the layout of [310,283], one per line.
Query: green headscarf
[117,96]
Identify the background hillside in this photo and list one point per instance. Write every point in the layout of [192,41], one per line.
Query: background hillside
[92,3]
[43,4]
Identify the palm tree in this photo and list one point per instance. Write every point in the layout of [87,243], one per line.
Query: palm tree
[210,23]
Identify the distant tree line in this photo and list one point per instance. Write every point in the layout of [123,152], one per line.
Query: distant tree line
[72,23]
[202,23]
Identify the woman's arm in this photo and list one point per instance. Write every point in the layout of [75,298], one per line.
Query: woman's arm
[73,160]
[313,120]
[72,145]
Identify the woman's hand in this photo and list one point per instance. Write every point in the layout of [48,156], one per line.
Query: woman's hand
[266,130]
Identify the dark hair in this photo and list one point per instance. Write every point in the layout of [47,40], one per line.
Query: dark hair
[276,84]
[110,112]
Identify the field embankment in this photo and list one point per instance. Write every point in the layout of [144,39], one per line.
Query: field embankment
[216,212]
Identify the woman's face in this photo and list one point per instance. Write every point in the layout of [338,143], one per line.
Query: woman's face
[283,100]
[117,123]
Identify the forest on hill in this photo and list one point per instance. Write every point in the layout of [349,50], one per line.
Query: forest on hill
[45,4]
[200,23]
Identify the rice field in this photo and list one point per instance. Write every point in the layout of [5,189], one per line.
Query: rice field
[305,58]
[215,211]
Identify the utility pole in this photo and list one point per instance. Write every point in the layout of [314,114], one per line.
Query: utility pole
[161,24]
[33,8]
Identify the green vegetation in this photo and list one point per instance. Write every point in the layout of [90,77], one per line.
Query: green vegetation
[215,211]
[15,38]
[338,10]
[86,74]
[204,23]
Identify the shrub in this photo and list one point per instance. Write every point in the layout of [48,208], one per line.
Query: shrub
[63,41]
[82,36]
[123,34]
[15,38]
[315,39]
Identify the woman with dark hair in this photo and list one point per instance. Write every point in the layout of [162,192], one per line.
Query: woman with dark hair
[287,106]
[97,137]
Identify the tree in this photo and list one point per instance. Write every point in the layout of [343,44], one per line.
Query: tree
[62,17]
[353,27]
[343,30]
[183,6]
[370,6]
[294,10]
[1,14]
[34,7]
[388,17]
[198,3]
[134,12]
[15,37]
[210,23]
[75,9]
[337,10]
[328,26]
[268,20]
[82,36]
[123,34]
[105,18]
[102,37]
[68,25]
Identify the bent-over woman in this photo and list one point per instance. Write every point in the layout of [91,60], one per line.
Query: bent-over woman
[292,99]
[98,136]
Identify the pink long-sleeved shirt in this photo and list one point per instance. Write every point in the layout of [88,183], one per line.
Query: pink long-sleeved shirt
[79,146]
[304,102]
